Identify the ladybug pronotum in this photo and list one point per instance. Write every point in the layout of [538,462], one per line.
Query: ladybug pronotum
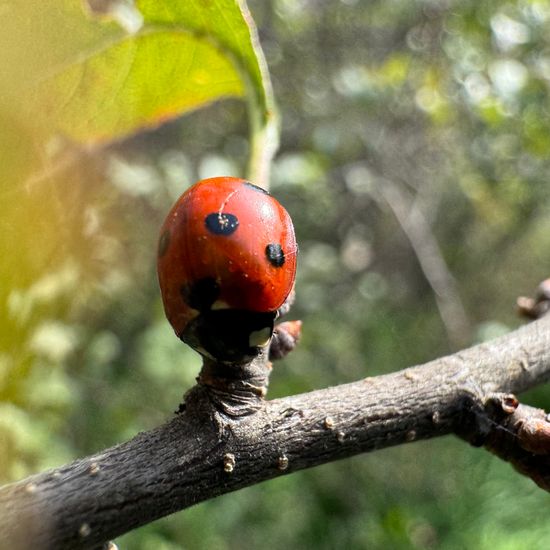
[226,264]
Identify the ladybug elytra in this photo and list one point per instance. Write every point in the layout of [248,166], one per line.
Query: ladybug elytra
[226,264]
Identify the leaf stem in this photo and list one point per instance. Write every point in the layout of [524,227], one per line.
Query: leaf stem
[264,142]
[262,113]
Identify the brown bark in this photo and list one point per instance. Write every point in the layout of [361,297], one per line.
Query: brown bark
[213,447]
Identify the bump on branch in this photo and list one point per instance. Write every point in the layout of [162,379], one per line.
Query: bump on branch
[515,432]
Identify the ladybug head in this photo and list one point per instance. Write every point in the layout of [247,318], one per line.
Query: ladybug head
[227,263]
[230,335]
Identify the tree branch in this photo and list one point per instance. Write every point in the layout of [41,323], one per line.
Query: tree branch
[204,451]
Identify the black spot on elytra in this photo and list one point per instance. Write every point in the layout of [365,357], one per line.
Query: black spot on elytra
[221,223]
[256,188]
[275,254]
[201,294]
[164,243]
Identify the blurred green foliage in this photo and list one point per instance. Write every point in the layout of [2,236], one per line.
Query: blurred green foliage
[447,102]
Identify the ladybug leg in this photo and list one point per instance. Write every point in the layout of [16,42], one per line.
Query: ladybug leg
[285,337]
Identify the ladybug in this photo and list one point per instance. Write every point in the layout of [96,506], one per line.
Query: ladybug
[226,264]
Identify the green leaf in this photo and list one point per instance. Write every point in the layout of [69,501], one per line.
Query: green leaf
[138,81]
[227,22]
[93,80]
[40,36]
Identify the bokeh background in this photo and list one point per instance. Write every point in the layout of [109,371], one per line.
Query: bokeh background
[414,160]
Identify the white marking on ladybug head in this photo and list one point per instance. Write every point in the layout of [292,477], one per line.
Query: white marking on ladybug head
[259,338]
[202,351]
[219,304]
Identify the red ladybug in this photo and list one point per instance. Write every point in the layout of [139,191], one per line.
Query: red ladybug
[226,264]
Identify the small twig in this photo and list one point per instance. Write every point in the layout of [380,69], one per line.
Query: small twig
[534,308]
[235,390]
[431,261]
